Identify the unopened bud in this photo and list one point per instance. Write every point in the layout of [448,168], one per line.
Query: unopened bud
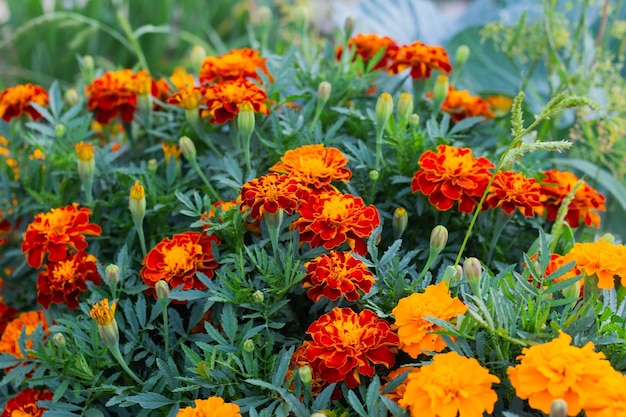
[384,108]
[152,165]
[374,175]
[323,91]
[162,290]
[472,271]
[462,53]
[137,202]
[414,120]
[245,119]
[273,220]
[112,273]
[438,238]
[264,15]
[558,408]
[71,97]
[440,91]
[318,415]
[104,314]
[573,291]
[348,26]
[187,147]
[248,345]
[452,274]
[400,222]
[609,237]
[405,106]
[196,56]
[302,16]
[86,162]
[306,376]
[59,130]
[88,63]
[59,340]
[258,296]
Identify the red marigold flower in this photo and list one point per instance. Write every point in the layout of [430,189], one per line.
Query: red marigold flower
[337,274]
[55,231]
[176,260]
[460,104]
[452,174]
[330,219]
[7,314]
[584,207]
[345,345]
[223,100]
[511,190]
[116,93]
[299,360]
[64,281]
[421,58]
[25,322]
[270,193]
[15,101]
[234,65]
[314,165]
[24,404]
[368,45]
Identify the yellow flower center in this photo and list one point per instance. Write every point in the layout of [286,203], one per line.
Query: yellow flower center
[102,313]
[336,209]
[84,151]
[350,332]
[64,271]
[177,259]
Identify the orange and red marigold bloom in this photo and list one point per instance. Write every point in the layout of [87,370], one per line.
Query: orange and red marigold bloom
[224,100]
[452,174]
[367,46]
[177,260]
[269,194]
[421,59]
[56,231]
[64,281]
[346,345]
[25,322]
[583,208]
[337,274]
[235,65]
[460,104]
[24,404]
[15,101]
[511,190]
[332,218]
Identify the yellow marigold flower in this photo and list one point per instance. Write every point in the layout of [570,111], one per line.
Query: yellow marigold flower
[608,398]
[415,332]
[171,150]
[25,322]
[234,65]
[104,315]
[451,385]
[15,101]
[600,258]
[84,151]
[188,97]
[211,407]
[558,370]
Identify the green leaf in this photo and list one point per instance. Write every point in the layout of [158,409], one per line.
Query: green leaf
[150,400]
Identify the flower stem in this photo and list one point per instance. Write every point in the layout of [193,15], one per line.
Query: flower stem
[142,237]
[115,351]
[204,179]
[128,31]
[246,150]
[166,328]
[432,255]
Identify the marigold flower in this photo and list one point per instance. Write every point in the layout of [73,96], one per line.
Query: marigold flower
[460,104]
[330,219]
[298,361]
[368,45]
[452,174]
[7,314]
[398,393]
[558,370]
[270,193]
[511,190]
[64,281]
[314,165]
[177,259]
[336,274]
[15,101]
[211,407]
[54,232]
[223,100]
[421,59]
[188,97]
[234,65]
[585,205]
[25,322]
[608,398]
[345,345]
[500,105]
[24,404]
[104,315]
[451,385]
[171,150]
[416,333]
[602,259]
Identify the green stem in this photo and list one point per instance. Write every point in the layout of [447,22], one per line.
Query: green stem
[432,255]
[379,147]
[142,237]
[196,167]
[115,351]
[166,329]
[246,139]
[89,192]
[128,31]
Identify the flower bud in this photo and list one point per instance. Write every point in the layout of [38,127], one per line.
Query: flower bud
[452,274]
[323,91]
[263,15]
[306,376]
[248,345]
[348,26]
[472,270]
[187,147]
[245,119]
[59,130]
[302,16]
[112,273]
[384,108]
[440,91]
[71,97]
[609,237]
[438,238]
[405,107]
[318,415]
[258,296]
[86,162]
[88,65]
[374,175]
[273,220]
[414,120]
[462,53]
[573,291]
[152,165]
[196,56]
[59,340]
[104,315]
[137,202]
[400,222]
[162,290]
[558,408]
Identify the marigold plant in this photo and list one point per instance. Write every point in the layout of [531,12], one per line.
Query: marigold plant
[25,322]
[269,194]
[608,398]
[24,404]
[421,59]
[460,104]
[224,99]
[603,259]
[368,46]
[15,101]
[244,63]
[211,407]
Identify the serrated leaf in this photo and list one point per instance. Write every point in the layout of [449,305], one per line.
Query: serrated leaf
[150,400]
[356,404]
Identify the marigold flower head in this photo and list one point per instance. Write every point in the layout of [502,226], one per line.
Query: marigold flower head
[298,361]
[234,65]
[421,59]
[346,345]
[103,312]
[367,46]
[452,174]
[177,259]
[398,393]
[511,190]
[583,208]
[269,194]
[602,259]
[25,322]
[558,370]
[180,79]
[223,100]
[188,98]
[460,104]
[451,385]
[56,231]
[330,219]
[557,261]
[608,398]
[500,105]
[336,274]
[24,404]
[15,101]
[171,150]
[416,333]
[211,407]
[314,165]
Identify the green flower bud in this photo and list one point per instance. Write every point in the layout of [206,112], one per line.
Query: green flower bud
[258,296]
[609,237]
[374,175]
[306,376]
[59,341]
[71,97]
[263,15]
[112,273]
[438,238]
[152,165]
[573,291]
[162,290]
[323,91]
[472,270]
[452,273]
[196,56]
[248,345]
[400,222]
[59,130]
[245,119]
[88,66]
[349,25]
[414,120]
[187,147]
[137,202]
[384,108]
[440,91]
[558,408]
[462,53]
[405,106]
[273,221]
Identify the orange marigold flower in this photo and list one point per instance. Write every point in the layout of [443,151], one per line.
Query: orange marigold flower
[224,99]
[332,218]
[337,274]
[64,281]
[500,105]
[416,333]
[314,165]
[171,150]
[511,190]
[299,360]
[24,404]
[234,65]
[585,205]
[398,393]
[557,261]
[211,407]
[451,385]
[421,58]
[15,101]
[460,104]
[603,259]
[369,45]
[452,174]
[55,231]
[608,398]
[188,97]
[7,314]
[25,322]
[558,370]
[345,345]
[270,193]
[176,260]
